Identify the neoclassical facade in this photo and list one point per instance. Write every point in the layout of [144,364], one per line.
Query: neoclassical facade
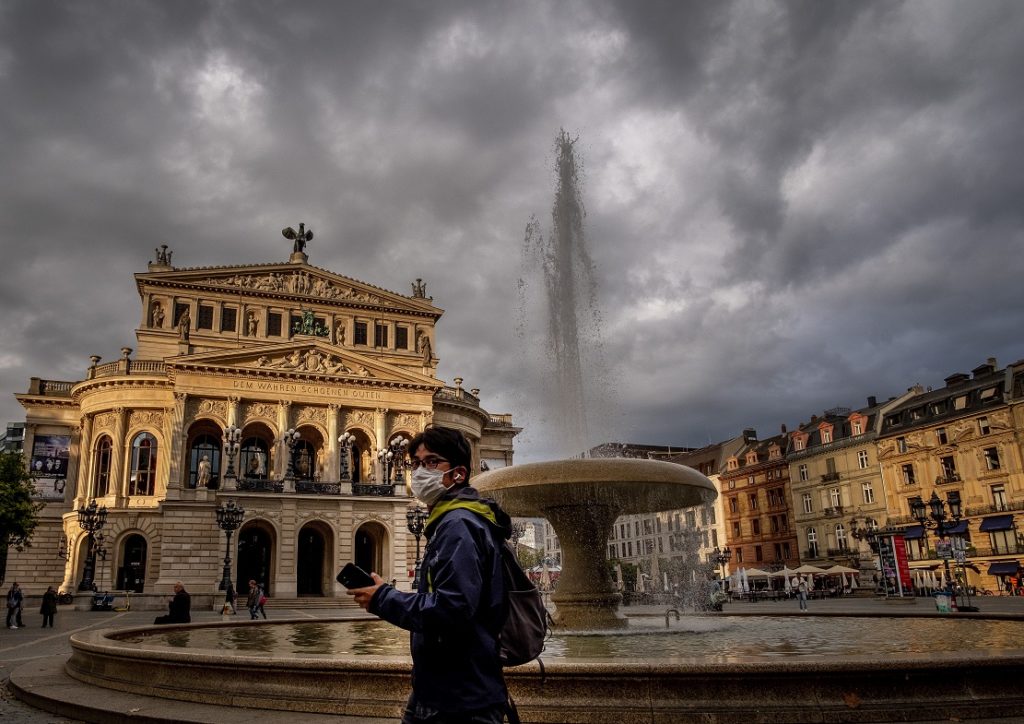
[319,374]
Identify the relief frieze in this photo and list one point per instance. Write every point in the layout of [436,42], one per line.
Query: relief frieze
[298,282]
[312,360]
[143,418]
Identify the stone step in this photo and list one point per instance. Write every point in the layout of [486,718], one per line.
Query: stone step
[318,602]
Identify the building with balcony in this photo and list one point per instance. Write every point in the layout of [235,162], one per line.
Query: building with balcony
[322,376]
[757,499]
[837,483]
[962,438]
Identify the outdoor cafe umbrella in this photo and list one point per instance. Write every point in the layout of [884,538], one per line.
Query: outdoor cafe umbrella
[808,568]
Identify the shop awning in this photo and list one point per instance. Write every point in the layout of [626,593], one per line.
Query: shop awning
[996,522]
[958,529]
[1003,568]
[914,531]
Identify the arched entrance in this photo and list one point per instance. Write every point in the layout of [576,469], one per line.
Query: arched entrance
[370,545]
[255,557]
[313,564]
[131,573]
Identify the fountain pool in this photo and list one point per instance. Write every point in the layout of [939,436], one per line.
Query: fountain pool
[714,668]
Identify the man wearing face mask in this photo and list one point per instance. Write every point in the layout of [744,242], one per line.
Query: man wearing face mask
[460,605]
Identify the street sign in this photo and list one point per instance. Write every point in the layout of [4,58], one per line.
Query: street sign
[944,550]
[960,557]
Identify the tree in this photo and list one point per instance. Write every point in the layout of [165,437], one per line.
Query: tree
[19,513]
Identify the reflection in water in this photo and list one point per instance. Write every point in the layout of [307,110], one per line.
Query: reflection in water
[178,639]
[716,638]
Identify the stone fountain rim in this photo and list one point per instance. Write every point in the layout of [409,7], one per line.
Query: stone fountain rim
[102,642]
[605,470]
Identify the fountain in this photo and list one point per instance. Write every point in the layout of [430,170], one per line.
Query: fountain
[581,499]
[772,670]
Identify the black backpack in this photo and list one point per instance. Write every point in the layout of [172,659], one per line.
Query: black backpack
[526,627]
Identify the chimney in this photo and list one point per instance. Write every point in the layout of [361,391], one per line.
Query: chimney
[749,435]
[957,378]
[783,428]
[872,401]
[986,369]
[814,419]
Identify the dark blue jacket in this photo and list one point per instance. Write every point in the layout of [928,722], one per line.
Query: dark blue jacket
[459,608]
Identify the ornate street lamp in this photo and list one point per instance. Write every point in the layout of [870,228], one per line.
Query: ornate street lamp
[415,519]
[392,458]
[229,517]
[291,438]
[346,440]
[721,557]
[232,444]
[932,515]
[91,519]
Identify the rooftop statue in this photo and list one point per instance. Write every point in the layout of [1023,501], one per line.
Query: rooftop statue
[301,238]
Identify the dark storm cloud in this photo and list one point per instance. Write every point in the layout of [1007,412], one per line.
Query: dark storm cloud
[791,206]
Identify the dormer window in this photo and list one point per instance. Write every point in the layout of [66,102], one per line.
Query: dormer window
[857,426]
[800,441]
[826,434]
[751,458]
[733,464]
[774,453]
[988,393]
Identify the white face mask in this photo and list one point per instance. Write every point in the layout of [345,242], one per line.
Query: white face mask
[428,485]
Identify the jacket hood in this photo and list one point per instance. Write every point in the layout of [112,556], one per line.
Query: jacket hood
[467,498]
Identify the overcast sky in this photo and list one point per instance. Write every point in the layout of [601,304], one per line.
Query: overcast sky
[790,206]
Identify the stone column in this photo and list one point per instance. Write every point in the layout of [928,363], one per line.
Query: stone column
[119,452]
[333,471]
[380,430]
[84,462]
[283,424]
[174,430]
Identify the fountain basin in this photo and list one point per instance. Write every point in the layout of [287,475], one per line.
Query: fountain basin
[864,687]
[581,500]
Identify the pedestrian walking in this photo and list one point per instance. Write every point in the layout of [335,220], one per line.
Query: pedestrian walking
[15,600]
[801,594]
[252,601]
[262,599]
[456,612]
[49,606]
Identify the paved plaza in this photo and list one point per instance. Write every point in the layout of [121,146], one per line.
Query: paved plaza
[33,645]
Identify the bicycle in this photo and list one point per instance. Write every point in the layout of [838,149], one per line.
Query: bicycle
[66,598]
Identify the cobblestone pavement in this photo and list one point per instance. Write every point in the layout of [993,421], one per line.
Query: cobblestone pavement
[33,642]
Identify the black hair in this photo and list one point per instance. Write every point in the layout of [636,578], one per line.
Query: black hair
[448,443]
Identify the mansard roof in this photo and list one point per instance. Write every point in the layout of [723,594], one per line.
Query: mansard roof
[290,280]
[962,396]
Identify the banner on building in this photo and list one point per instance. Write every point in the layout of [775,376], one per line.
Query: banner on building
[49,464]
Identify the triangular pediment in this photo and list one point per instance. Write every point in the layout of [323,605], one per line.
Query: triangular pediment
[289,280]
[306,357]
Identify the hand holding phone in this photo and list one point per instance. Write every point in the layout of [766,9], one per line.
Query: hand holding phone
[352,576]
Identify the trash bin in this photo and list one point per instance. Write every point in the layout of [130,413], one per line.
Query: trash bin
[942,602]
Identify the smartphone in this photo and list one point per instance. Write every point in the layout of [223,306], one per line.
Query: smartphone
[352,576]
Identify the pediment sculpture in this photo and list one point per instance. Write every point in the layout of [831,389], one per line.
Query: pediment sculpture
[298,282]
[313,360]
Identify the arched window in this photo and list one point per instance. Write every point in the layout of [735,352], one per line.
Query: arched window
[208,446]
[143,477]
[253,460]
[102,455]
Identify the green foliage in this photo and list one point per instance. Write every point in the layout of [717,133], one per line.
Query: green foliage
[18,512]
[528,557]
